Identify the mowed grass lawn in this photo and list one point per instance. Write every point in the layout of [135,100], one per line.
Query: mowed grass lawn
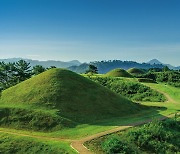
[83,130]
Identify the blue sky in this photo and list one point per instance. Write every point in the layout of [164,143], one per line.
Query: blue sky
[90,30]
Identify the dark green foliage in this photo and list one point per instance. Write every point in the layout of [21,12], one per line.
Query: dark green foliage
[132,90]
[38,69]
[155,70]
[7,75]
[92,69]
[165,69]
[114,145]
[146,80]
[170,77]
[155,137]
[13,73]
[23,70]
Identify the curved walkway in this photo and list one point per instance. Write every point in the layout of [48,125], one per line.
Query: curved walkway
[78,145]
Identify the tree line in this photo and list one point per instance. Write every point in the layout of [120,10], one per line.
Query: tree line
[16,72]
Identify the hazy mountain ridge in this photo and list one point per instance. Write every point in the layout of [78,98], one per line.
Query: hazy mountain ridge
[48,63]
[106,66]
[103,66]
[155,61]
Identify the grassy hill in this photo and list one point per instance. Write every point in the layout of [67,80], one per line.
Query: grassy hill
[118,73]
[60,98]
[135,71]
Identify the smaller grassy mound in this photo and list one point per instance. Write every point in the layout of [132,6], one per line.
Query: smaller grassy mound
[146,80]
[12,144]
[135,71]
[118,73]
[154,137]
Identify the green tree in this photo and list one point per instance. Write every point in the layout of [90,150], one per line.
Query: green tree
[92,69]
[38,69]
[7,75]
[165,69]
[23,70]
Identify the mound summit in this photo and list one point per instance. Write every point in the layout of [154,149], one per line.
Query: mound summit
[75,97]
[135,71]
[118,72]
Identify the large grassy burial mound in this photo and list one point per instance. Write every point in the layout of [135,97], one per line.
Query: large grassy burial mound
[135,71]
[118,73]
[60,98]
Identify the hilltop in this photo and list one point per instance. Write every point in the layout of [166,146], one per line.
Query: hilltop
[135,71]
[118,73]
[75,99]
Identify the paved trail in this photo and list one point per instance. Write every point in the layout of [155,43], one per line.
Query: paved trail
[78,145]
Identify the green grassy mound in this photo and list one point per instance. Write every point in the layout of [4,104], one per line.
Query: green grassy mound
[118,73]
[129,89]
[11,144]
[155,137]
[135,71]
[75,98]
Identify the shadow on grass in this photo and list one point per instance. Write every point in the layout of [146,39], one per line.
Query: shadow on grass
[20,119]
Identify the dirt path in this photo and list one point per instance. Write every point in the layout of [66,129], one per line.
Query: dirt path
[79,144]
[169,99]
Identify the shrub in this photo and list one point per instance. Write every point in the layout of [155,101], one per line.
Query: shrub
[132,90]
[157,137]
[146,80]
[115,145]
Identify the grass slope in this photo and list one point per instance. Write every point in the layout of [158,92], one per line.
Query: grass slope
[66,95]
[118,73]
[12,144]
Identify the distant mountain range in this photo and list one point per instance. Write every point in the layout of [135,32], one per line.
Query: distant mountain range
[106,66]
[155,61]
[59,64]
[103,66]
